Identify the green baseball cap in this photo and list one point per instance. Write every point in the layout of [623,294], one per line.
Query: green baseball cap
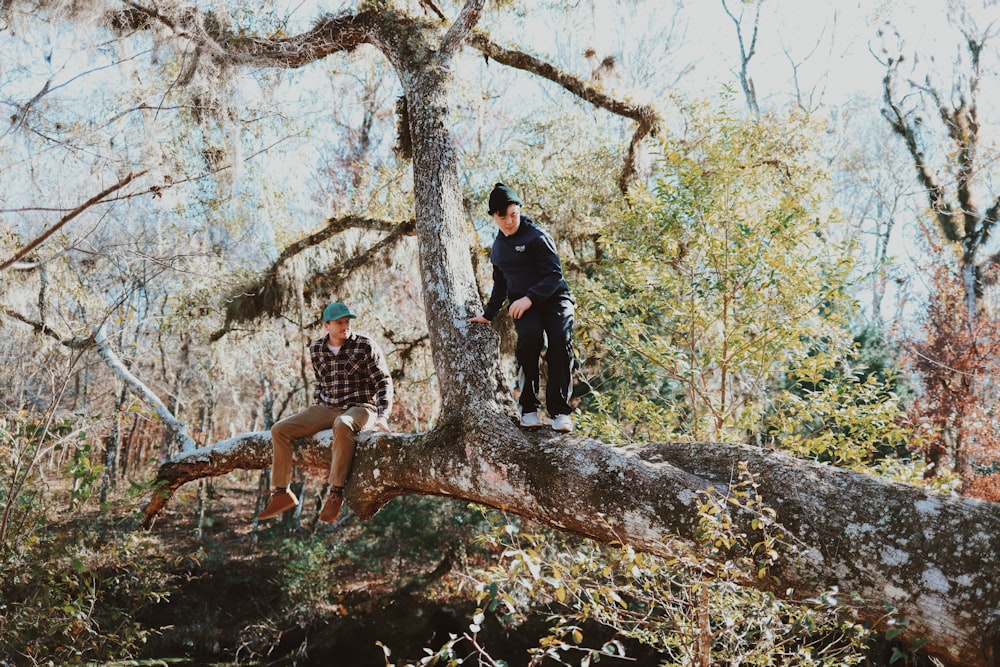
[335,311]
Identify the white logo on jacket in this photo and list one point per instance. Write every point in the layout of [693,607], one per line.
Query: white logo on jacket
[520,248]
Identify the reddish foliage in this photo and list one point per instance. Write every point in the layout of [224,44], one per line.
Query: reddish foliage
[956,360]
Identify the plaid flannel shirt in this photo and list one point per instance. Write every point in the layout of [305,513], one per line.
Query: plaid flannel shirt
[357,375]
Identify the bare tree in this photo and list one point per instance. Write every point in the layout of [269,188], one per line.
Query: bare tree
[925,115]
[748,48]
[941,128]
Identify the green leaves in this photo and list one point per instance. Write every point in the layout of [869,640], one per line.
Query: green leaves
[687,608]
[716,282]
[841,418]
[722,309]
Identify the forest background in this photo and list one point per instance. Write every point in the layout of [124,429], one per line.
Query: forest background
[796,256]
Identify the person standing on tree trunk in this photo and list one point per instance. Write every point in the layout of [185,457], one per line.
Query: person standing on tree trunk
[527,272]
[353,389]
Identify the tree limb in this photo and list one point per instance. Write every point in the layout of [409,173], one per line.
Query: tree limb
[45,330]
[467,19]
[746,54]
[327,281]
[266,296]
[647,117]
[22,113]
[929,557]
[96,199]
[898,121]
[176,427]
[100,341]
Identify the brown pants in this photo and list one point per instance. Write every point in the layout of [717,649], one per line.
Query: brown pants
[312,420]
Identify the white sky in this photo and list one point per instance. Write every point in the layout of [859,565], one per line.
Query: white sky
[832,41]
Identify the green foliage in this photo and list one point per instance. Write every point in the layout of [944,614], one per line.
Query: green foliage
[84,473]
[72,597]
[842,415]
[307,579]
[847,407]
[68,593]
[716,281]
[690,607]
[21,502]
[408,537]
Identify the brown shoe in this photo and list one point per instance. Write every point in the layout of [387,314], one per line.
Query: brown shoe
[281,500]
[331,508]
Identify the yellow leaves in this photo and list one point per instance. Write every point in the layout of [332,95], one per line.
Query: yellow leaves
[839,417]
[717,282]
[666,603]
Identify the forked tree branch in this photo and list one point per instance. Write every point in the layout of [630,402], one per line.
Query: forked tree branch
[903,126]
[327,281]
[44,329]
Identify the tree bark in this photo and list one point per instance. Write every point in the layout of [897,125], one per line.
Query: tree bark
[931,557]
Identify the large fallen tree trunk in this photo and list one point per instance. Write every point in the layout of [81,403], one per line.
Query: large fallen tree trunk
[931,557]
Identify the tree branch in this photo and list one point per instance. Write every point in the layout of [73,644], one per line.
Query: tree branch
[265,296]
[929,557]
[96,199]
[174,425]
[329,280]
[647,117]
[331,34]
[641,113]
[463,25]
[100,341]
[22,113]
[947,218]
[746,55]
[45,330]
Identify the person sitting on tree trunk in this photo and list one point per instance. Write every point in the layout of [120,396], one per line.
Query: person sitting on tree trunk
[527,272]
[353,389]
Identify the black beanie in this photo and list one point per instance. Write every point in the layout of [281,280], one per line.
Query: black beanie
[501,197]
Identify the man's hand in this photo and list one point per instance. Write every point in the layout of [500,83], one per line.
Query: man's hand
[382,424]
[520,307]
[478,319]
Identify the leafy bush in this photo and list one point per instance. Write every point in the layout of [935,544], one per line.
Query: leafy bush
[71,597]
[714,283]
[689,607]
[409,537]
[67,594]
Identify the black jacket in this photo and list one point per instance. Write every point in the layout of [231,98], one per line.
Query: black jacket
[525,264]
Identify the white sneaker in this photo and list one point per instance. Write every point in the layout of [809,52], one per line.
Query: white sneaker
[530,420]
[562,423]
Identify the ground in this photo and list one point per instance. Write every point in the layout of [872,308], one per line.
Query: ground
[314,594]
